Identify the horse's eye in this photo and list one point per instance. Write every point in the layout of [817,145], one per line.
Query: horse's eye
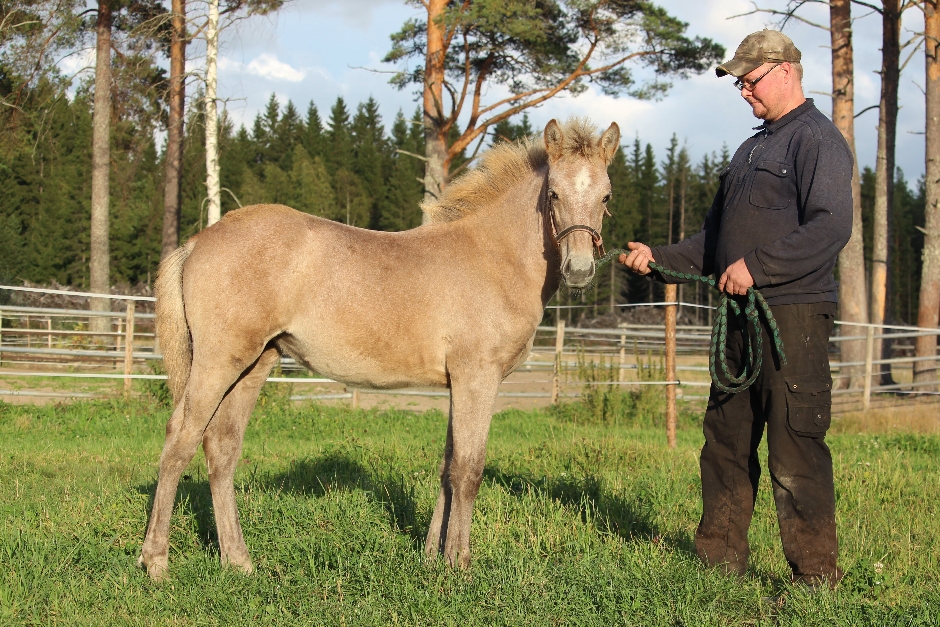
[606,199]
[552,194]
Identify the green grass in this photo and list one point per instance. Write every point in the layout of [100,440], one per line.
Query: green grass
[576,524]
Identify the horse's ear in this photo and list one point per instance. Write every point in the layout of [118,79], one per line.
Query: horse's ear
[554,140]
[610,142]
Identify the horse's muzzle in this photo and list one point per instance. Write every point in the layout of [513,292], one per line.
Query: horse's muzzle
[578,271]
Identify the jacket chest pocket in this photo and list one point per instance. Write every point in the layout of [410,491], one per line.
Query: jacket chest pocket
[809,405]
[770,185]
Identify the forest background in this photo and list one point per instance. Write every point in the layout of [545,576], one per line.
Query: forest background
[342,160]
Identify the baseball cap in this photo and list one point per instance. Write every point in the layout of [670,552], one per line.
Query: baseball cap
[764,46]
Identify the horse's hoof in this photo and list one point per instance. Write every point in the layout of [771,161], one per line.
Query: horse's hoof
[459,560]
[156,568]
[243,565]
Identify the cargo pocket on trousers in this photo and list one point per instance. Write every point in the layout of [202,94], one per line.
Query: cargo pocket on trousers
[809,406]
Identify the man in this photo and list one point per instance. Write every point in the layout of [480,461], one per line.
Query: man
[782,213]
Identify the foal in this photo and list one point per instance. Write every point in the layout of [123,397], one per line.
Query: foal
[454,304]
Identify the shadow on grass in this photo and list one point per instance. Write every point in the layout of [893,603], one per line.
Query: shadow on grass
[196,499]
[384,484]
[332,472]
[608,513]
[337,471]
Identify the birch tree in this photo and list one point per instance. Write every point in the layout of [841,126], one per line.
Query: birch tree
[234,9]
[891,47]
[929,304]
[99,261]
[213,187]
[536,51]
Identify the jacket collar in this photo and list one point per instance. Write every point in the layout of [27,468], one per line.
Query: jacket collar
[770,127]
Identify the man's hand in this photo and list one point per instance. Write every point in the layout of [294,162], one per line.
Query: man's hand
[736,279]
[639,258]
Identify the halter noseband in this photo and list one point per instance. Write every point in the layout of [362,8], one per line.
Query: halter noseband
[595,236]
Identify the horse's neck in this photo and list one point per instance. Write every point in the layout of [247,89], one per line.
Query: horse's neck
[517,225]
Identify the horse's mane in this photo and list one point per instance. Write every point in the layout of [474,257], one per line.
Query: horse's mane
[505,165]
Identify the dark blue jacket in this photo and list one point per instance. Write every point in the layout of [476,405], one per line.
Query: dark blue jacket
[784,205]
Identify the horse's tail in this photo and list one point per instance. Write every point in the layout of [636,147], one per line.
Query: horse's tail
[172,329]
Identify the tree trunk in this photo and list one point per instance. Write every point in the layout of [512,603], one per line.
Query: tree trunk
[683,181]
[853,297]
[884,171]
[212,117]
[99,264]
[435,135]
[928,312]
[174,130]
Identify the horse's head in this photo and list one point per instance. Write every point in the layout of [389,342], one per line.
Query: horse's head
[578,191]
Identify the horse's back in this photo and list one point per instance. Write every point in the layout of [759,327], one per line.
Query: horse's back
[350,303]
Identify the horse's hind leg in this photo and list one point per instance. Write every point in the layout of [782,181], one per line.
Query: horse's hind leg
[222,444]
[471,409]
[207,385]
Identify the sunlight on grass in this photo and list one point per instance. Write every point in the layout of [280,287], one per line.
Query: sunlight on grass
[576,523]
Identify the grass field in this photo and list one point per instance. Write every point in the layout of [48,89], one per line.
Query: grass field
[576,524]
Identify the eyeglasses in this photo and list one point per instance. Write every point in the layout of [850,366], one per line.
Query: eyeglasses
[741,83]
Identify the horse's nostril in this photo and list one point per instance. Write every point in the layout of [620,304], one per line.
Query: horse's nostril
[578,271]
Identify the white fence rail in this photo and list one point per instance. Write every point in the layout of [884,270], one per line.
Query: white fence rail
[40,342]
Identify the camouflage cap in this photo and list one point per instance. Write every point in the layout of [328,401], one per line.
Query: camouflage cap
[764,46]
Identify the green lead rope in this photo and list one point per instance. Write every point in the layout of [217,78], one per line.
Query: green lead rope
[719,340]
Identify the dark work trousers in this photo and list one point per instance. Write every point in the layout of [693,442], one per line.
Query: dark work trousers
[794,402]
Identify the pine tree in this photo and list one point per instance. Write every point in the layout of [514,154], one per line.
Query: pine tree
[311,189]
[371,158]
[338,153]
[312,139]
[404,189]
[287,134]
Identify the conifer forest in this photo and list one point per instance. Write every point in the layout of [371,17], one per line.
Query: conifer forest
[345,161]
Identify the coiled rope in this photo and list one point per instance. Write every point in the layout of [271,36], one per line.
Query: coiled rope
[719,340]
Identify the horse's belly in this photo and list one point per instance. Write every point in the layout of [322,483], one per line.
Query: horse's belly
[378,364]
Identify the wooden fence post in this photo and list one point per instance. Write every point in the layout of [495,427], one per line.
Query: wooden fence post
[128,346]
[869,349]
[621,376]
[49,328]
[1,337]
[671,414]
[117,340]
[355,398]
[559,350]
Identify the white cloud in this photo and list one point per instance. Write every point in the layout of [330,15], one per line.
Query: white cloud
[267,66]
[78,61]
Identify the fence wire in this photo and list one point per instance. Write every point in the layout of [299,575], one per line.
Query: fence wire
[50,342]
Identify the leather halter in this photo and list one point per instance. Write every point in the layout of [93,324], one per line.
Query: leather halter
[595,236]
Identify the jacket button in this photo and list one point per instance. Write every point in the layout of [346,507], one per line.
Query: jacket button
[784,171]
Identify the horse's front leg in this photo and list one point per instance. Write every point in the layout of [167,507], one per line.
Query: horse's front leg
[471,409]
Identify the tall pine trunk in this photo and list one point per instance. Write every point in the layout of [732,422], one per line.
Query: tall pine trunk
[884,171]
[928,313]
[213,187]
[853,297]
[99,269]
[174,130]
[435,135]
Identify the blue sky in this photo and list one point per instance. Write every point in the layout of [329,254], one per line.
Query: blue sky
[314,49]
